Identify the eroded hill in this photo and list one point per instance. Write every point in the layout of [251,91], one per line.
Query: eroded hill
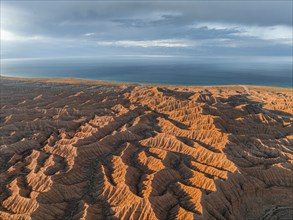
[143,152]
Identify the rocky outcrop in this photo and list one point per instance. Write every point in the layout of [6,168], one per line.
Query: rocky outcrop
[110,152]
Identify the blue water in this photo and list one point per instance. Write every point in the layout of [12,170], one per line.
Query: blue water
[191,71]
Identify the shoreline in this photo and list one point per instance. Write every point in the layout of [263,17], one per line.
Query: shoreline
[78,81]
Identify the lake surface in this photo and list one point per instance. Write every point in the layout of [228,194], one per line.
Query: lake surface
[192,71]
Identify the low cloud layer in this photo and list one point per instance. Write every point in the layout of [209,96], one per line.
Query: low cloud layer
[76,28]
[147,43]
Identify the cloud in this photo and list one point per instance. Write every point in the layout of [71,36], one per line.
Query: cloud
[278,33]
[9,36]
[151,19]
[36,17]
[147,43]
[89,34]
[141,27]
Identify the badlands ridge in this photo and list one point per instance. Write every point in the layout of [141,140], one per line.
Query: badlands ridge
[91,151]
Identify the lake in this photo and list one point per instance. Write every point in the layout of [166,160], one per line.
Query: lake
[266,71]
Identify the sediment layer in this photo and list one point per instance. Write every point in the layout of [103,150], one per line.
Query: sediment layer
[145,152]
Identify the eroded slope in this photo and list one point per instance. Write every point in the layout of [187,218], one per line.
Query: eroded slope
[109,152]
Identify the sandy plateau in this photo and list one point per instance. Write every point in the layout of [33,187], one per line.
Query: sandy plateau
[77,150]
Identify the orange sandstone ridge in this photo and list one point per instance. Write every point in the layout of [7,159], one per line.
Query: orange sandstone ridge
[81,151]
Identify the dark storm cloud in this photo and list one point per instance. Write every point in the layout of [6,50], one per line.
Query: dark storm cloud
[54,17]
[116,26]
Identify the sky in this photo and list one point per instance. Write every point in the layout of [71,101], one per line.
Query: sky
[48,29]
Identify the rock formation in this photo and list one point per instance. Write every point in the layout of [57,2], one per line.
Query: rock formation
[73,151]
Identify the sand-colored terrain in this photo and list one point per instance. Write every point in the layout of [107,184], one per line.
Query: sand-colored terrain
[90,151]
